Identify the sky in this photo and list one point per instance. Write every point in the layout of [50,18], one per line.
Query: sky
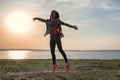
[98,23]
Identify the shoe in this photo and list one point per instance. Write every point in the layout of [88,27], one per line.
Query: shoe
[54,68]
[67,67]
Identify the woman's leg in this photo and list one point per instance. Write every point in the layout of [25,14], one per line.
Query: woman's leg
[63,54]
[59,45]
[52,47]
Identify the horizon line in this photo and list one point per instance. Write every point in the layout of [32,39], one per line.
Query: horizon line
[65,50]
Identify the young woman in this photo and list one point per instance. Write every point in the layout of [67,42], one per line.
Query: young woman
[53,27]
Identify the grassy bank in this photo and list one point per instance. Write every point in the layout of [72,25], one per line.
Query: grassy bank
[39,69]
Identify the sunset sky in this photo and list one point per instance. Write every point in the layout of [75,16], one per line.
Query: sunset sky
[98,22]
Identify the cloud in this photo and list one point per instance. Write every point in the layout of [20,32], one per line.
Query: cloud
[62,1]
[82,3]
[106,6]
[82,23]
[109,5]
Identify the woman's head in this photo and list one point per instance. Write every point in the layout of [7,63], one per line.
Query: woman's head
[54,14]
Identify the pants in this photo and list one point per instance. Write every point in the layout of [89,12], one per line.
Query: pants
[55,39]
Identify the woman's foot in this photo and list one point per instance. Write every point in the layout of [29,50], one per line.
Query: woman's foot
[54,68]
[67,67]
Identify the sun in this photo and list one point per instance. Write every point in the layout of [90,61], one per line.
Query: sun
[18,22]
[17,54]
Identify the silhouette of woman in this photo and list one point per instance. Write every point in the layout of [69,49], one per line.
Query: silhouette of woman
[53,27]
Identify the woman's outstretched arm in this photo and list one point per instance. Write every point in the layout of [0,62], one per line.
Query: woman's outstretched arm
[40,19]
[71,26]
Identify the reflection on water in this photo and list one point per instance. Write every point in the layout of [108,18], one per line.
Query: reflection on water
[17,54]
[45,54]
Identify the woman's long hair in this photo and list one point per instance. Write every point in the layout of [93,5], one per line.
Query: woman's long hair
[56,14]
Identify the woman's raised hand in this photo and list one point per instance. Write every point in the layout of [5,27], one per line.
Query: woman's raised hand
[35,18]
[75,27]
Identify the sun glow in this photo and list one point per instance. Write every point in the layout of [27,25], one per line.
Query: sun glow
[17,54]
[18,22]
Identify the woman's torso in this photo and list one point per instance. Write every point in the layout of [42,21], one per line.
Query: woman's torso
[53,27]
